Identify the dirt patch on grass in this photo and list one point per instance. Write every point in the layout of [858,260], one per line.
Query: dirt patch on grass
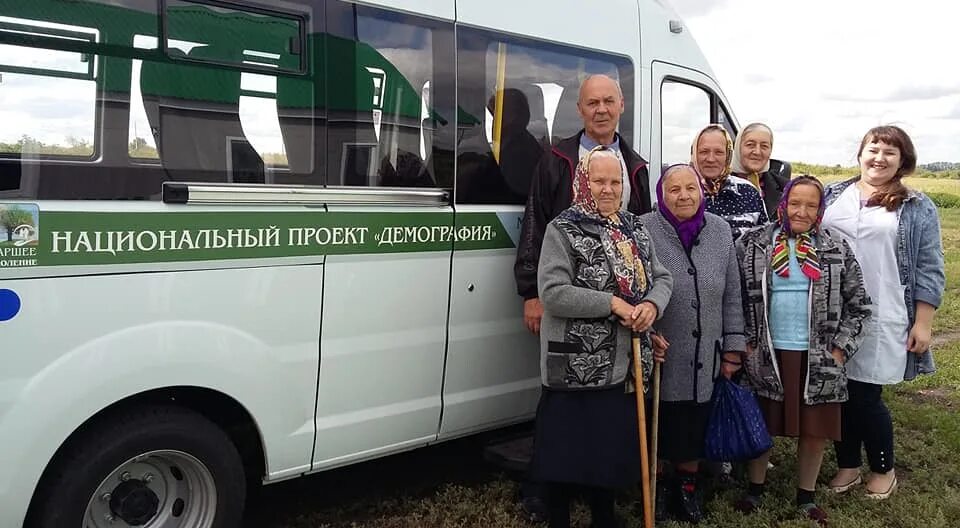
[939,396]
[944,338]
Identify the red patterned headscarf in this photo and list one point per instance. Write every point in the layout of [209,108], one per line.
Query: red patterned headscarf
[619,244]
[583,198]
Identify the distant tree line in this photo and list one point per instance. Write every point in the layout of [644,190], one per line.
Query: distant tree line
[26,144]
[941,166]
[137,148]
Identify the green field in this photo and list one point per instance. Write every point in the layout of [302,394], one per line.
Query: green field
[927,185]
[450,487]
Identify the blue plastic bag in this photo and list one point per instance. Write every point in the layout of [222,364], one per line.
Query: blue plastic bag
[736,430]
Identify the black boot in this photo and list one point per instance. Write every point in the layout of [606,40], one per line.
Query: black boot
[664,499]
[533,501]
[689,502]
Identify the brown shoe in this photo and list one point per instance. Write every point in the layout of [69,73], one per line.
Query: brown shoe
[814,513]
[747,504]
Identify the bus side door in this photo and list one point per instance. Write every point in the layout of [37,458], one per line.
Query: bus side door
[389,138]
[516,99]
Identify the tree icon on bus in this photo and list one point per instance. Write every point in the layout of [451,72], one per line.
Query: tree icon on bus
[20,222]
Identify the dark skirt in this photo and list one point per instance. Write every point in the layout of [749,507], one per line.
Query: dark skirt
[683,430]
[792,417]
[588,438]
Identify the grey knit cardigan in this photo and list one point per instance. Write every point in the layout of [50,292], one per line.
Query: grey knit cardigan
[582,346]
[705,315]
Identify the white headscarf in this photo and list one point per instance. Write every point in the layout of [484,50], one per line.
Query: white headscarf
[737,164]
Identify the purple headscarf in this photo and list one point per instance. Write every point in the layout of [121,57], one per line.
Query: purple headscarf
[782,218]
[687,230]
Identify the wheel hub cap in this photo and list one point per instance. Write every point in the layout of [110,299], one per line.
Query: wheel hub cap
[134,502]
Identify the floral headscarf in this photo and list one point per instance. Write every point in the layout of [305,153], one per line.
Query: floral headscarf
[617,235]
[712,187]
[583,199]
[805,249]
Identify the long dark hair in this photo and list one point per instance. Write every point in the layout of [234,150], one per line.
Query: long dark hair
[895,192]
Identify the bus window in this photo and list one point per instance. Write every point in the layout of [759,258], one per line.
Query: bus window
[389,100]
[724,119]
[274,109]
[47,97]
[258,116]
[225,108]
[142,145]
[685,110]
[517,98]
[253,38]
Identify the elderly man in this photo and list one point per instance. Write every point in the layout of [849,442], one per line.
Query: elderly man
[600,105]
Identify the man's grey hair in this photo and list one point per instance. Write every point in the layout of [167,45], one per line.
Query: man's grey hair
[602,75]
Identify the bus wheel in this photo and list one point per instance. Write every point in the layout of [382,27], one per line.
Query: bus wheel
[162,467]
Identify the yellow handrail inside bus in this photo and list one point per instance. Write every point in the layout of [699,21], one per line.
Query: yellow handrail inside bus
[498,102]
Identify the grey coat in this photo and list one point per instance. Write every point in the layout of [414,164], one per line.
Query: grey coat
[582,346]
[705,315]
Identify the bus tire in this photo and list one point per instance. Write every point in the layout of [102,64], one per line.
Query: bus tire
[162,466]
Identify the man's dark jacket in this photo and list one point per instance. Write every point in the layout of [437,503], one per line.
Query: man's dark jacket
[773,182]
[551,191]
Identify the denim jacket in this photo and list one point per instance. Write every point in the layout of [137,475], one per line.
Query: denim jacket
[919,260]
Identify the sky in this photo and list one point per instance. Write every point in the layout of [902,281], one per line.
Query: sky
[823,72]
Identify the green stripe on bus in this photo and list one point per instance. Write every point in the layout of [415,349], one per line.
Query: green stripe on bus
[103,238]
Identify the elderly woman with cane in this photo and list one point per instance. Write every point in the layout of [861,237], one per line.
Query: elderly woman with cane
[703,323]
[600,282]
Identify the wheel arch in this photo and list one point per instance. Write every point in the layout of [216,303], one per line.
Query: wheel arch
[222,410]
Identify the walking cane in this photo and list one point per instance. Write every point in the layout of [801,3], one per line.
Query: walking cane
[655,425]
[642,426]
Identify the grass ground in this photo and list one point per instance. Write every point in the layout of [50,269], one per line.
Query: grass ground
[449,486]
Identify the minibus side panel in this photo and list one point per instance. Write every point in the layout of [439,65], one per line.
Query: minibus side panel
[110,337]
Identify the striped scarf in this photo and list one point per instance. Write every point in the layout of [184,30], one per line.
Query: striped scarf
[805,249]
[806,255]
